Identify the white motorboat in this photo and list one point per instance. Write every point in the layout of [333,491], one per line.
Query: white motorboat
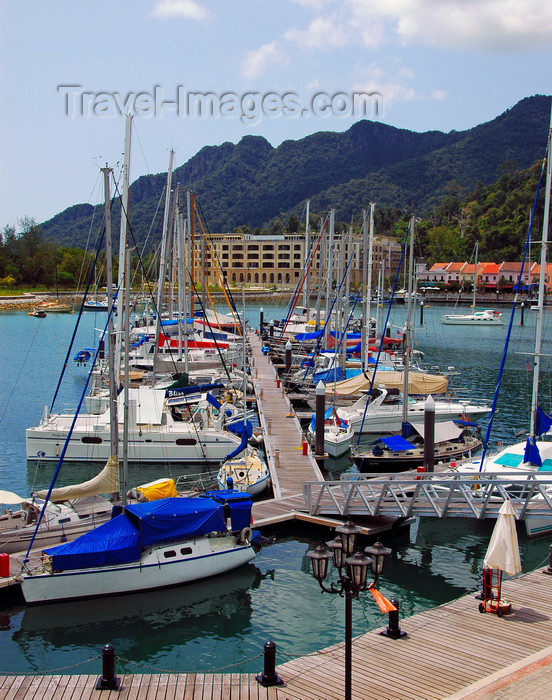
[384,414]
[338,434]
[484,317]
[149,545]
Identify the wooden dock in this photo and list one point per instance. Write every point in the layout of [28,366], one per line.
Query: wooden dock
[446,650]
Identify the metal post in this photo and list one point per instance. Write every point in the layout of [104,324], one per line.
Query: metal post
[522,312]
[319,418]
[429,434]
[422,313]
[393,628]
[261,321]
[269,676]
[108,680]
[348,637]
[287,369]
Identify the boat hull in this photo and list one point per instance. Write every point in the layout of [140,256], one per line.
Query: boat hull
[143,446]
[161,567]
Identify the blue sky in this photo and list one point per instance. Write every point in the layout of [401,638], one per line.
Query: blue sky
[278,68]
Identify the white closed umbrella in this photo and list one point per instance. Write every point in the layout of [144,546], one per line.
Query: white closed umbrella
[503,550]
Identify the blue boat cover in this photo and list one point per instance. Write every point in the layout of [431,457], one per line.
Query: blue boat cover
[350,336]
[397,443]
[301,337]
[237,427]
[532,454]
[544,422]
[175,518]
[171,393]
[121,539]
[114,542]
[239,504]
[328,375]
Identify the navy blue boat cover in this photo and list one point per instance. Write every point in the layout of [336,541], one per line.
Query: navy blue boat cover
[397,443]
[121,539]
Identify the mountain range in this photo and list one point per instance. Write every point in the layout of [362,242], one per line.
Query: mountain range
[253,183]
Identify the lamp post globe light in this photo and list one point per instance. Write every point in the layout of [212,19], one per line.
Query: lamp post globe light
[353,572]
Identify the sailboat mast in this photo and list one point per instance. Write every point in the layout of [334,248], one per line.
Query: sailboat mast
[542,276]
[306,289]
[406,339]
[113,417]
[163,260]
[123,236]
[126,313]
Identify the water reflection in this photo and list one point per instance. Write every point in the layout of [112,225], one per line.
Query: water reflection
[141,626]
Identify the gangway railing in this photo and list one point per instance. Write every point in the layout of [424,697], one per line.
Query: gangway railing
[447,495]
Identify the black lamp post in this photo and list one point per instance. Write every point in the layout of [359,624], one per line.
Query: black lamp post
[351,581]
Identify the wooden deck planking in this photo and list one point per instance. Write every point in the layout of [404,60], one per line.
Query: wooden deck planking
[285,431]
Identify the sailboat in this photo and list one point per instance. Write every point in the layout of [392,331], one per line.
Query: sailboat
[150,545]
[478,317]
[244,469]
[534,455]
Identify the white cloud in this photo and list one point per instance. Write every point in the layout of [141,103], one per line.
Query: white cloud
[487,25]
[504,25]
[256,62]
[324,32]
[187,9]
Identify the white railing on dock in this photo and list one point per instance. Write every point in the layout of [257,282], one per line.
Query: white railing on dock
[431,495]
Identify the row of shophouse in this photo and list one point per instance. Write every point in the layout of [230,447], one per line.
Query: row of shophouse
[489,277]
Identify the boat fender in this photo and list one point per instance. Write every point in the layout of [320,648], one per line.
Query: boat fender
[245,535]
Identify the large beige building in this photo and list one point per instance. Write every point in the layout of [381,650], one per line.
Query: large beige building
[280,259]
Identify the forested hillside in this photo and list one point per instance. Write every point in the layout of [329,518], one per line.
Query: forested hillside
[255,185]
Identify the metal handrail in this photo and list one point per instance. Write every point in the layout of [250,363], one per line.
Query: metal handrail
[432,495]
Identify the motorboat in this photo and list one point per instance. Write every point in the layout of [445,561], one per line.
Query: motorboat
[484,317]
[338,434]
[384,412]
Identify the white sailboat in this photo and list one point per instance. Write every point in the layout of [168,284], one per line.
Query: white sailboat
[150,545]
[534,455]
[245,470]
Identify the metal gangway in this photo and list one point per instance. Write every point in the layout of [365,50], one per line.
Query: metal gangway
[435,495]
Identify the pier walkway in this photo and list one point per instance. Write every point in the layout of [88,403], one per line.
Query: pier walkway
[289,462]
[451,652]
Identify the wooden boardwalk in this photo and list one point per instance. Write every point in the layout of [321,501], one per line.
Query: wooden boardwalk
[446,650]
[283,436]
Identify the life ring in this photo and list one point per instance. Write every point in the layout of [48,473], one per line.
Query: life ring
[245,535]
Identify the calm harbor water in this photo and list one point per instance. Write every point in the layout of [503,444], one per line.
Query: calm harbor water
[223,623]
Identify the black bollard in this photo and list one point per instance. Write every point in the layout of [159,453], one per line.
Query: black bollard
[393,629]
[548,570]
[269,676]
[522,312]
[422,313]
[287,368]
[108,680]
[261,320]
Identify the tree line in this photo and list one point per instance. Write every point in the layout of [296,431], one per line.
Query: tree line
[497,216]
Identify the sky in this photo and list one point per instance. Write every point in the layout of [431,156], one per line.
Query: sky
[198,73]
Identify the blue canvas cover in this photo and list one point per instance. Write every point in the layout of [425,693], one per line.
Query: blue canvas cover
[544,422]
[328,375]
[239,504]
[532,454]
[397,443]
[171,519]
[300,337]
[114,542]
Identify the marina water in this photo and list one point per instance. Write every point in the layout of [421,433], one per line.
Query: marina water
[222,624]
